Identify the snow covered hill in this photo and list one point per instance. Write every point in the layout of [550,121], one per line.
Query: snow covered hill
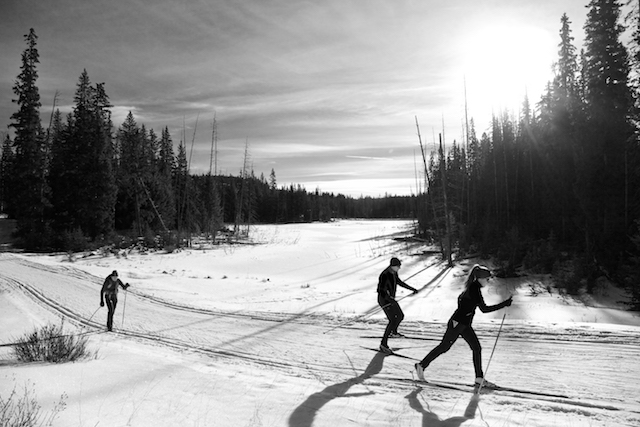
[283,333]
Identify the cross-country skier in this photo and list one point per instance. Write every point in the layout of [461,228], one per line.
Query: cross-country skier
[387,285]
[110,291]
[460,324]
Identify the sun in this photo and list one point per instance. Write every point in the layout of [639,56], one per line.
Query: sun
[503,63]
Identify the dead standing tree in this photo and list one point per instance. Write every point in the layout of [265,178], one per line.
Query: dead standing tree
[445,241]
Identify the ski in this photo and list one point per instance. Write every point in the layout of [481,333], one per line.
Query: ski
[523,391]
[389,354]
[404,338]
[469,388]
[508,389]
[431,384]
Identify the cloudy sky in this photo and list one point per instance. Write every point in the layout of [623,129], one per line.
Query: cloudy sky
[324,92]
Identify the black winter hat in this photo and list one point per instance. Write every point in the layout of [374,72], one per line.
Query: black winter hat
[395,261]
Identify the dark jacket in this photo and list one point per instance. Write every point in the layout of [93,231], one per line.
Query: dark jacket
[468,300]
[388,282]
[110,287]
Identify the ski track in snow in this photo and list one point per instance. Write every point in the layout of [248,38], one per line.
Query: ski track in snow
[531,356]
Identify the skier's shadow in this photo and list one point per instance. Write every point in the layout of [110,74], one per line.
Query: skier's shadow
[430,419]
[305,413]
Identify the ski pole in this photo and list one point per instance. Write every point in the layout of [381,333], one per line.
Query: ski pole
[124,305]
[94,313]
[492,351]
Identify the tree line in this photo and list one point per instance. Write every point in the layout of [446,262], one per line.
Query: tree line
[556,188]
[81,182]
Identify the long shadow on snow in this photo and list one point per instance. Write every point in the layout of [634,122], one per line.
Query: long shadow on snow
[304,414]
[430,419]
[303,313]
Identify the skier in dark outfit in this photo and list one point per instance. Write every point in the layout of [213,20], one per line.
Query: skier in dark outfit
[460,324]
[110,291]
[387,285]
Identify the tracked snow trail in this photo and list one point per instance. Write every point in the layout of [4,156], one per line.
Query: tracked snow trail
[264,337]
[304,345]
[281,344]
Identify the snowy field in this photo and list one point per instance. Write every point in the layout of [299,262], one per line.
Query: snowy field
[281,332]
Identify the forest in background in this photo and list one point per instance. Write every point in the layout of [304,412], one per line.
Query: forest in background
[555,188]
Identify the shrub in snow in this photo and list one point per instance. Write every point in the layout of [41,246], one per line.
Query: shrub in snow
[23,410]
[49,344]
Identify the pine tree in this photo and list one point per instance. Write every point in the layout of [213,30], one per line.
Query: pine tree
[6,175]
[566,86]
[28,193]
[133,173]
[181,189]
[606,71]
[166,201]
[602,167]
[82,178]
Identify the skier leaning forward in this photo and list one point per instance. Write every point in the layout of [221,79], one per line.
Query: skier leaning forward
[460,324]
[387,285]
[110,291]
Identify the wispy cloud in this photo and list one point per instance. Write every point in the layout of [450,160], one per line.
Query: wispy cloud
[326,89]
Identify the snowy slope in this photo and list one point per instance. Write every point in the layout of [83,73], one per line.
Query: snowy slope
[280,334]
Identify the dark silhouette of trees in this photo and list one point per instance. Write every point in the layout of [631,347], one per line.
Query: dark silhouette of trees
[562,177]
[27,195]
[81,174]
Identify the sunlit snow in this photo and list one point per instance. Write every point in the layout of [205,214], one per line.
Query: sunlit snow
[279,331]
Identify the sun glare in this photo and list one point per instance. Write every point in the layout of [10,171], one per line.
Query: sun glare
[502,64]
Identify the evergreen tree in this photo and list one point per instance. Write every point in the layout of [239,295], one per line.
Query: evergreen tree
[566,85]
[273,183]
[134,172]
[28,192]
[6,175]
[606,70]
[165,198]
[82,178]
[602,169]
[180,184]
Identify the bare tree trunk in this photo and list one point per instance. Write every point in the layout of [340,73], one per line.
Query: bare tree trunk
[447,219]
[428,183]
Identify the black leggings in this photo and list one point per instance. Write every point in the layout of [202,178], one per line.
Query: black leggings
[451,336]
[112,301]
[394,314]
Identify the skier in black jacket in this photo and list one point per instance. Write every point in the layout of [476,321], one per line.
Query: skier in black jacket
[110,291]
[387,285]
[460,324]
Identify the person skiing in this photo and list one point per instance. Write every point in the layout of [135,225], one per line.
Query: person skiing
[387,285]
[110,291]
[460,324]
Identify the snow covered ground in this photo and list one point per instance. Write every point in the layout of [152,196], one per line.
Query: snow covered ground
[281,332]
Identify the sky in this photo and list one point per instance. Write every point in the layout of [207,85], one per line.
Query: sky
[324,93]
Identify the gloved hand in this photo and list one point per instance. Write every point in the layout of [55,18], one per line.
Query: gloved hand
[415,291]
[126,285]
[508,302]
[101,303]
